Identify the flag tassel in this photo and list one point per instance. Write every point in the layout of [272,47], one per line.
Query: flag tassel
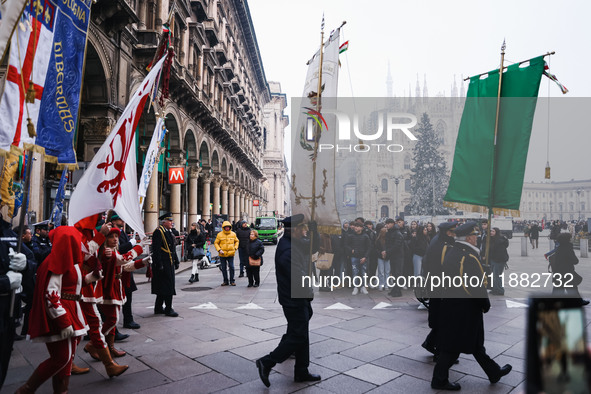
[31,128]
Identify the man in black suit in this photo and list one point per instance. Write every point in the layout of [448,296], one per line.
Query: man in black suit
[291,265]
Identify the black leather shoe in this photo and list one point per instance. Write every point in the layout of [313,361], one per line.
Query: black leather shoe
[446,386]
[428,347]
[132,325]
[263,372]
[306,377]
[502,372]
[585,302]
[120,337]
[171,313]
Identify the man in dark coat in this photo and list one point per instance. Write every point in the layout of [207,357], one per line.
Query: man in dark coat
[40,242]
[395,253]
[13,266]
[461,324]
[164,263]
[432,266]
[534,235]
[243,234]
[291,265]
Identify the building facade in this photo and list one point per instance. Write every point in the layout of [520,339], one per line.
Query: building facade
[274,168]
[214,115]
[569,200]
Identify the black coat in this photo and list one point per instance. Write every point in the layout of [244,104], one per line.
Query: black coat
[358,245]
[256,249]
[193,239]
[498,249]
[41,248]
[243,235]
[291,264]
[164,262]
[565,259]
[461,325]
[394,244]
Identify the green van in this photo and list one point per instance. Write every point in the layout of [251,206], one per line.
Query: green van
[267,228]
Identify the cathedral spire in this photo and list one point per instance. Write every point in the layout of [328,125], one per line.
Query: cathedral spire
[418,88]
[389,83]
[462,91]
[425,91]
[454,89]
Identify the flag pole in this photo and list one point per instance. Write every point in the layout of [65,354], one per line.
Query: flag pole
[316,139]
[492,177]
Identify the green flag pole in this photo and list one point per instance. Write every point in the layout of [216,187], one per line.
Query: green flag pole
[492,175]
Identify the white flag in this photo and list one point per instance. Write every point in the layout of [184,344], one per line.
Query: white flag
[304,135]
[110,181]
[10,12]
[151,155]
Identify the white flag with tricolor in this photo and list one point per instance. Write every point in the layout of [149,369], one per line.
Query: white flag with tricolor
[110,181]
[150,162]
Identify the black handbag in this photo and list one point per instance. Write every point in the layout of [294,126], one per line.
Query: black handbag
[197,253]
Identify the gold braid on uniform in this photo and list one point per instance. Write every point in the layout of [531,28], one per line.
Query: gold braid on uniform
[167,249]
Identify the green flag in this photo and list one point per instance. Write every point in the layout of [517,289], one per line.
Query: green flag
[482,176]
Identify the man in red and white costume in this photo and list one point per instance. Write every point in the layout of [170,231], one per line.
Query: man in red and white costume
[56,316]
[93,295]
[114,264]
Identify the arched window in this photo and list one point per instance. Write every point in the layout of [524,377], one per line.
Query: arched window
[385,211]
[407,185]
[407,163]
[384,185]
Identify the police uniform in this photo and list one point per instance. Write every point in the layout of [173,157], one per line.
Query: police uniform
[41,244]
[432,267]
[164,263]
[461,324]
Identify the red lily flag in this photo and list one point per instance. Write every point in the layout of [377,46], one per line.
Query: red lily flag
[110,181]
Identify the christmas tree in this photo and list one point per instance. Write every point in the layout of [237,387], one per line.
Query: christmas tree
[429,177]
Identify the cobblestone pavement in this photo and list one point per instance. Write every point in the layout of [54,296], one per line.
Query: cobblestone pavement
[364,343]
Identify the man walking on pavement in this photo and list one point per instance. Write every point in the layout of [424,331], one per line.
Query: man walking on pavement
[291,265]
[461,324]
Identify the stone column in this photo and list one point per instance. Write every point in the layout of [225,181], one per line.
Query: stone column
[175,205]
[205,211]
[231,201]
[193,189]
[277,198]
[142,14]
[225,186]
[237,204]
[217,181]
[242,195]
[151,204]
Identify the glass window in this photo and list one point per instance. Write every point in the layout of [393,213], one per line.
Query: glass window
[384,186]
[385,211]
[407,185]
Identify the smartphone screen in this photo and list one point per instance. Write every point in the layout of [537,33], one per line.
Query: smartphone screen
[558,360]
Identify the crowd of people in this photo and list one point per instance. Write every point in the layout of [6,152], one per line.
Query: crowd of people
[76,281]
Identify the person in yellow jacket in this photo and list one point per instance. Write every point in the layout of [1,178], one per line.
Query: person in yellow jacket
[226,243]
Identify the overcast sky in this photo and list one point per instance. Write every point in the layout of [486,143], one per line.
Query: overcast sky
[442,39]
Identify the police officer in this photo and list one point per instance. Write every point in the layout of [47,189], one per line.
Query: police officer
[432,266]
[12,268]
[461,325]
[164,263]
[40,242]
[291,264]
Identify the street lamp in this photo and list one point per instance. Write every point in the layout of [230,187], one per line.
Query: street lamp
[375,190]
[433,167]
[396,182]
[579,202]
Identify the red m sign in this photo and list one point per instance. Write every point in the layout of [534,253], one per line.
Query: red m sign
[176,175]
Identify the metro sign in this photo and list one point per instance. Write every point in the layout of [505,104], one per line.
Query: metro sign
[176,175]
[255,203]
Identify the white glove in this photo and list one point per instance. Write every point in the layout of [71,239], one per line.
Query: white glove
[15,279]
[67,332]
[18,261]
[145,242]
